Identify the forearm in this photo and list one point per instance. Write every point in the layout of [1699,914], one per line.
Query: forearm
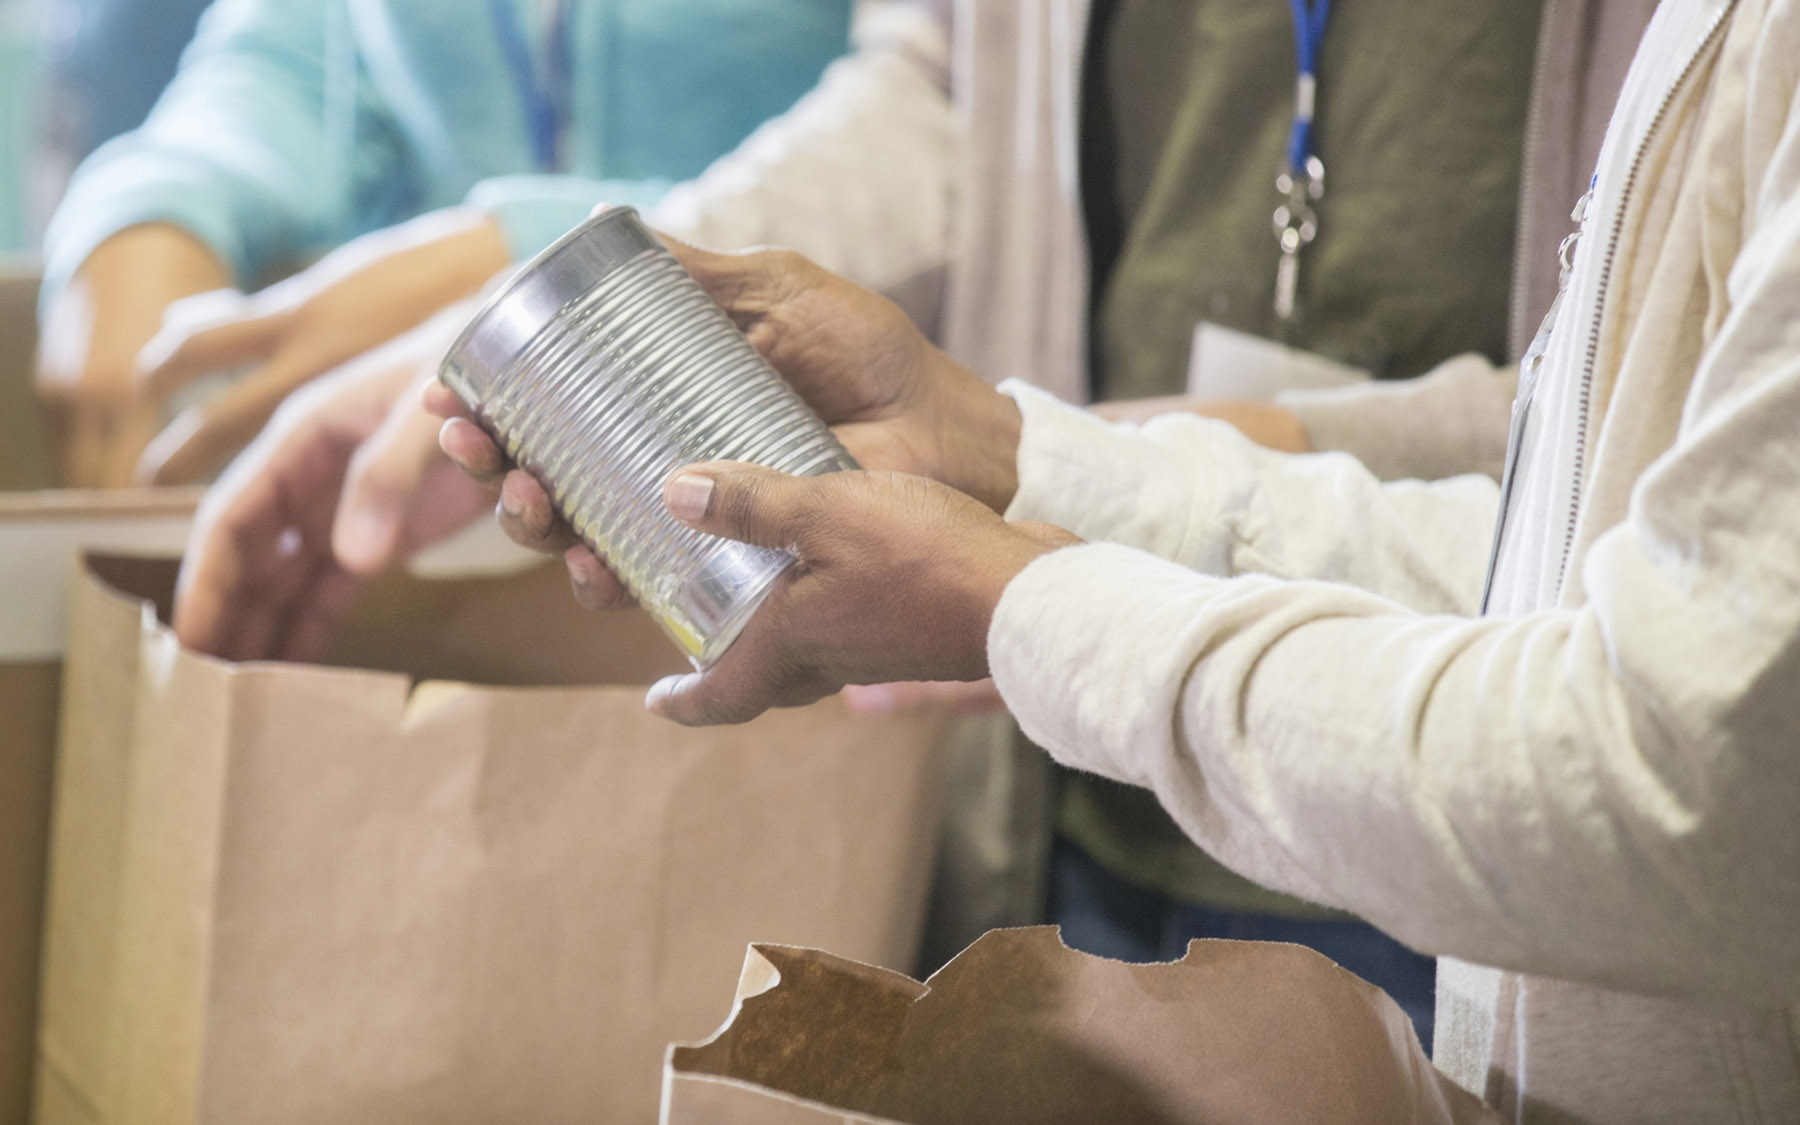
[1514,793]
[1195,491]
[1449,421]
[94,327]
[122,188]
[239,151]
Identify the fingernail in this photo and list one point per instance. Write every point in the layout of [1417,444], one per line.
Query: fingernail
[578,578]
[668,686]
[510,504]
[688,495]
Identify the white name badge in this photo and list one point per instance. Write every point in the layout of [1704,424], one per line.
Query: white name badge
[1227,364]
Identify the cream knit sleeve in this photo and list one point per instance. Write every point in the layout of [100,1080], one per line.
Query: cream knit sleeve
[1195,491]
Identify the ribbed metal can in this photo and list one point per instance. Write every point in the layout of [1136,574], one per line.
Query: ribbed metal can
[602,367]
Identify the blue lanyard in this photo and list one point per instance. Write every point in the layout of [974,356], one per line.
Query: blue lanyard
[1301,183]
[546,102]
[1309,35]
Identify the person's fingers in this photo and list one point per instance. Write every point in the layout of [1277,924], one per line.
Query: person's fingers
[1048,534]
[731,692]
[595,585]
[442,401]
[192,446]
[251,632]
[744,502]
[237,519]
[678,698]
[279,577]
[529,518]
[747,284]
[205,436]
[101,443]
[316,611]
[281,574]
[264,528]
[473,450]
[203,334]
[400,493]
[746,683]
[241,565]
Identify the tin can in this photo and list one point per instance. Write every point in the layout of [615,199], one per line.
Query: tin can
[601,368]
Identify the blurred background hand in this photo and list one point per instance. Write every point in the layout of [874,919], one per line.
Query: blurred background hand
[345,482]
[353,300]
[1264,423]
[93,332]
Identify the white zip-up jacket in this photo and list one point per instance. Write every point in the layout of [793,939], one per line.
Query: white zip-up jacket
[1595,790]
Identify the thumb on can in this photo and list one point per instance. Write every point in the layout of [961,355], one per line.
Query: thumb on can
[748,503]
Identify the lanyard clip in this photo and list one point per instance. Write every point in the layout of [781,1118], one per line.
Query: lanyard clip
[1296,225]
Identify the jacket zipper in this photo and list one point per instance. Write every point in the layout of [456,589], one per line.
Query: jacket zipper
[1584,403]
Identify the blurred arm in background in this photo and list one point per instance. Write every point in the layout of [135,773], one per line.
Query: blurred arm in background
[105,64]
[860,175]
[361,295]
[93,330]
[295,126]
[240,166]
[1440,424]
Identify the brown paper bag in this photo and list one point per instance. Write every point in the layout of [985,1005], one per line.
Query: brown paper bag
[303,894]
[1020,1029]
[41,531]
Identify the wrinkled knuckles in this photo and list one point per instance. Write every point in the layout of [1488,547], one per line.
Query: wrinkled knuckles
[789,272]
[742,503]
[816,510]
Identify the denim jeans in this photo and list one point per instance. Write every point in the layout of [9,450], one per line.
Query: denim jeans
[1104,915]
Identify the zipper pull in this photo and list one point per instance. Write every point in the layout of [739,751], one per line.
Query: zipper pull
[1565,250]
[1579,215]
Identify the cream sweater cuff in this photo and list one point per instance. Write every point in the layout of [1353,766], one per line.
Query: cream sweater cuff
[1087,648]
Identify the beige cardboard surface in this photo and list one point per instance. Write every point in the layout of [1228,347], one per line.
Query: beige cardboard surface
[28,694]
[27,452]
[286,894]
[41,531]
[1020,1029]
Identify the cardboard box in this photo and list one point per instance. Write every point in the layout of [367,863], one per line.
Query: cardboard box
[1020,1029]
[284,893]
[41,530]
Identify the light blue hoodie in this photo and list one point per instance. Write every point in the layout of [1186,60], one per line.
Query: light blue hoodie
[295,125]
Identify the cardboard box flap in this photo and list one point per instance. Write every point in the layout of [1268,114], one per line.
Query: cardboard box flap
[849,1017]
[510,631]
[1020,1028]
